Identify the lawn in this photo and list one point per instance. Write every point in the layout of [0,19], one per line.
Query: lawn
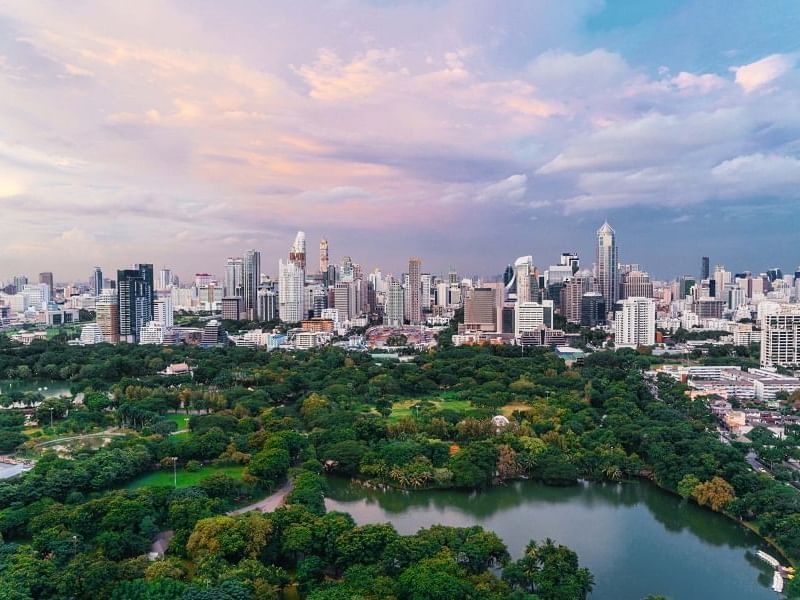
[164,477]
[182,421]
[403,409]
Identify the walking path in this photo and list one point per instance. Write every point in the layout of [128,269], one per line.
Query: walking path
[268,504]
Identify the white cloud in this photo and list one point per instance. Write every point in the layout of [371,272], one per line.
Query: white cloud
[510,189]
[757,74]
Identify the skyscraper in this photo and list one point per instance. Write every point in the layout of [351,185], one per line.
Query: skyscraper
[637,284]
[234,275]
[47,277]
[483,308]
[97,281]
[705,268]
[251,278]
[395,304]
[107,314]
[523,273]
[414,291]
[297,253]
[164,279]
[323,256]
[136,297]
[162,311]
[572,296]
[290,292]
[606,264]
[780,337]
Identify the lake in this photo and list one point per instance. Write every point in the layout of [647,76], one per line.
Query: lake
[635,538]
[49,388]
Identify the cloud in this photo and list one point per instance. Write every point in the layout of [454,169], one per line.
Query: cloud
[331,79]
[757,74]
[510,189]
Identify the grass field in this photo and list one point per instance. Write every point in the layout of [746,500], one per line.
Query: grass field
[182,421]
[403,409]
[164,477]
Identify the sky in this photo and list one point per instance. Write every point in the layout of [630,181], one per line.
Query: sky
[466,132]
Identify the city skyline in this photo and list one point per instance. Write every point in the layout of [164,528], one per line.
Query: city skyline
[403,126]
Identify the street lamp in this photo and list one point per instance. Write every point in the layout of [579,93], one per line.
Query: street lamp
[51,417]
[175,470]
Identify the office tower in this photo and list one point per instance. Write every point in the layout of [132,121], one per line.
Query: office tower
[523,272]
[319,303]
[774,274]
[508,274]
[232,308]
[162,311]
[414,291]
[705,268]
[735,297]
[722,280]
[709,308]
[291,280]
[213,334]
[637,284]
[35,294]
[267,304]
[135,296]
[635,324]
[686,283]
[425,292]
[607,275]
[107,316]
[251,275]
[593,309]
[323,256]
[203,279]
[234,275]
[572,295]
[297,252]
[394,310]
[19,282]
[570,259]
[164,279]
[483,308]
[47,279]
[342,300]
[152,334]
[531,316]
[780,337]
[97,284]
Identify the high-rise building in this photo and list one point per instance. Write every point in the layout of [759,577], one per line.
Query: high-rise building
[635,323]
[323,256]
[251,278]
[213,334]
[162,311]
[607,274]
[291,280]
[297,253]
[523,275]
[267,304]
[414,291]
[483,308]
[342,293]
[47,278]
[705,268]
[232,308]
[152,334]
[395,304]
[572,295]
[571,260]
[593,309]
[136,296]
[164,279]
[637,284]
[531,316]
[107,316]
[234,276]
[97,281]
[19,282]
[780,337]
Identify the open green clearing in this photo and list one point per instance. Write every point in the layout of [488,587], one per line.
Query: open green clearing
[182,421]
[164,477]
[405,408]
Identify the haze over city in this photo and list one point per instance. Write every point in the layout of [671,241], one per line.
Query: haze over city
[468,133]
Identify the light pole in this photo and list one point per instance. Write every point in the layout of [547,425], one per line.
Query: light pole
[175,470]
[74,546]
[51,417]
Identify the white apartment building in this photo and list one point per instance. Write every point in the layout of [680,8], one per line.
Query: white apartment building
[780,337]
[635,324]
[530,316]
[152,334]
